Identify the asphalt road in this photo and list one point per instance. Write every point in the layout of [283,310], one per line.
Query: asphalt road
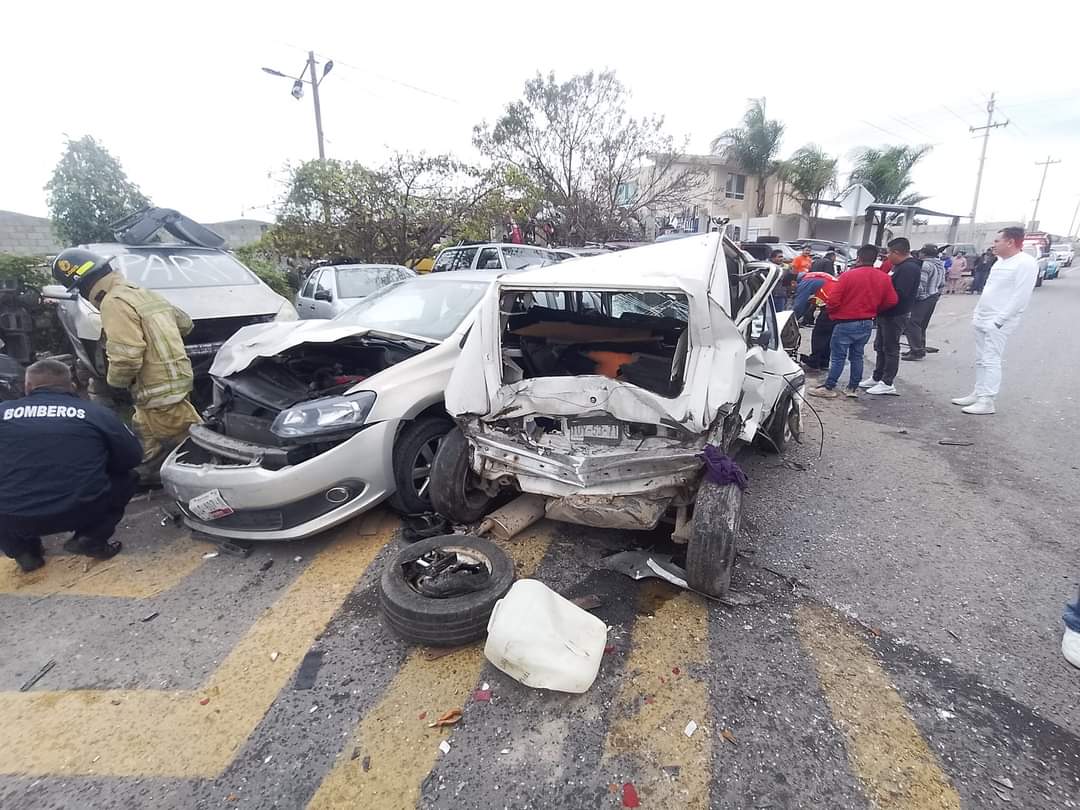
[904,652]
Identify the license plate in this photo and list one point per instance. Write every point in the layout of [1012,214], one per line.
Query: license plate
[603,432]
[209,506]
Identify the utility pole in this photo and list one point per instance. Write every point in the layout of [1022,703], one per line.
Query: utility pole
[1046,164]
[990,124]
[298,91]
[315,98]
[1072,225]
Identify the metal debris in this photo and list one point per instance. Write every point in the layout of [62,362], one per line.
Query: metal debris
[37,676]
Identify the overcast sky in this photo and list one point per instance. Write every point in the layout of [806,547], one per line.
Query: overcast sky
[176,93]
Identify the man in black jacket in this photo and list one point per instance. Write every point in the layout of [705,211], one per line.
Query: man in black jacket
[906,272]
[67,467]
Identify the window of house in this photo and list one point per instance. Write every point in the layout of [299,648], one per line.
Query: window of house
[736,187]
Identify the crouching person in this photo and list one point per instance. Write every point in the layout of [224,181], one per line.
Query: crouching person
[67,467]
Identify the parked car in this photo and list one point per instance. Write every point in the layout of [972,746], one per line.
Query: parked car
[195,274]
[494,256]
[598,385]
[1063,253]
[314,422]
[1042,258]
[329,291]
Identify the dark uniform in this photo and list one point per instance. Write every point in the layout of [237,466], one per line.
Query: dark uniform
[65,465]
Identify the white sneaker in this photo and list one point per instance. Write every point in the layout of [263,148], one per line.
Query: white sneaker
[1070,647]
[970,399]
[869,382]
[881,388]
[982,405]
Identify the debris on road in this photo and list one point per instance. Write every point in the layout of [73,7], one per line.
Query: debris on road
[630,795]
[691,727]
[150,617]
[365,764]
[544,640]
[37,676]
[444,746]
[274,655]
[209,555]
[643,565]
[728,736]
[435,653]
[944,714]
[313,709]
[448,719]
[518,515]
[1003,781]
[297,558]
[482,696]
[267,564]
[588,602]
[205,701]
[955,443]
[954,635]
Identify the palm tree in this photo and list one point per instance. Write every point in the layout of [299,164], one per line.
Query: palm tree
[886,173]
[753,147]
[811,172]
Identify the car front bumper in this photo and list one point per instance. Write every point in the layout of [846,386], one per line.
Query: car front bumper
[293,502]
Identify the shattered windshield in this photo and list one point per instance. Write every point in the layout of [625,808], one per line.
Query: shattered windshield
[163,270]
[421,307]
[359,282]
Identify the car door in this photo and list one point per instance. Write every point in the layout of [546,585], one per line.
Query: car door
[305,299]
[323,300]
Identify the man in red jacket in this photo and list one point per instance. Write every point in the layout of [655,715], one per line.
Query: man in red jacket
[854,301]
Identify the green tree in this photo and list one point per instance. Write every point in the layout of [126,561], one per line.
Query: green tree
[596,169]
[342,210]
[88,191]
[810,172]
[753,147]
[886,173]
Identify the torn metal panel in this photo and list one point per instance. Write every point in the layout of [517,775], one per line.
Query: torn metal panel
[636,512]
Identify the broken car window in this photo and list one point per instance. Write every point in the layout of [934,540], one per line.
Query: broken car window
[633,337]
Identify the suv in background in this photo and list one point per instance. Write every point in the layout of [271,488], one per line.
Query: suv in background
[193,273]
[1063,253]
[492,256]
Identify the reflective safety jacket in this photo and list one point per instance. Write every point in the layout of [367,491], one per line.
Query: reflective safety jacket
[143,342]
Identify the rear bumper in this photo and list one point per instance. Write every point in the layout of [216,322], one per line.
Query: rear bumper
[293,502]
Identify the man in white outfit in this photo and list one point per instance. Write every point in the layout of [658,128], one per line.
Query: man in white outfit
[997,315]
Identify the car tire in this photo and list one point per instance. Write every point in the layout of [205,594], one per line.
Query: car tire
[710,553]
[781,430]
[414,454]
[450,621]
[452,495]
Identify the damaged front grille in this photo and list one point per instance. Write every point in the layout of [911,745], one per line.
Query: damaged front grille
[209,334]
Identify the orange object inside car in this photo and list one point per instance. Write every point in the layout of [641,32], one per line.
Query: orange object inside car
[609,363]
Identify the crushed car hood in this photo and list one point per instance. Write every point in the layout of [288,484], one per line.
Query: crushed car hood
[268,339]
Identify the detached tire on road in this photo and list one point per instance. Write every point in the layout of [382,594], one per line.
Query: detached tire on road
[710,554]
[453,494]
[448,621]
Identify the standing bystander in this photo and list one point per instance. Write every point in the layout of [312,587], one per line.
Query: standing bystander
[997,315]
[956,273]
[854,300]
[982,271]
[906,273]
[931,283]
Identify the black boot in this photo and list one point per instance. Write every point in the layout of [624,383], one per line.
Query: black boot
[29,561]
[80,544]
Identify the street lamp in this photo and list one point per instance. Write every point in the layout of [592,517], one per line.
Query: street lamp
[298,91]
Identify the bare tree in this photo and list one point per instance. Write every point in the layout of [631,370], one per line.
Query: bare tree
[587,157]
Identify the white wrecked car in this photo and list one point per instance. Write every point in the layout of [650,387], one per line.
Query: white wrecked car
[598,383]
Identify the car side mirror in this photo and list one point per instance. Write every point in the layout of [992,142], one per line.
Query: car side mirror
[58,292]
[323,295]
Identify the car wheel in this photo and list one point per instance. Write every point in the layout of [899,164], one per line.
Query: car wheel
[783,426]
[414,454]
[710,553]
[421,609]
[454,493]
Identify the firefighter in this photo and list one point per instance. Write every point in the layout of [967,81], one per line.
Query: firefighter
[144,346]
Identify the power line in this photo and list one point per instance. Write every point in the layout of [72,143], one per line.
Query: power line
[955,115]
[392,80]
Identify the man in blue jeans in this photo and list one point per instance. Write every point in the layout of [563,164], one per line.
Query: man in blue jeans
[854,301]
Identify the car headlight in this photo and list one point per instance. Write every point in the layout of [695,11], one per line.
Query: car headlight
[286,313]
[329,415]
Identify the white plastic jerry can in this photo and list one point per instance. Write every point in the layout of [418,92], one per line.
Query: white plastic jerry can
[543,640]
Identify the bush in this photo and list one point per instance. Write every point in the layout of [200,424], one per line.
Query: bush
[263,262]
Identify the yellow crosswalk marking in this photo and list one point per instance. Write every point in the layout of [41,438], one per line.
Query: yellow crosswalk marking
[137,574]
[897,769]
[659,703]
[127,732]
[398,747]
